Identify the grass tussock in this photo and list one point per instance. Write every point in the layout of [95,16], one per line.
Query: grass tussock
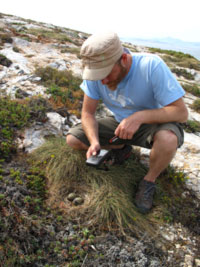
[108,195]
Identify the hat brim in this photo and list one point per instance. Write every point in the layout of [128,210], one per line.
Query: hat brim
[96,74]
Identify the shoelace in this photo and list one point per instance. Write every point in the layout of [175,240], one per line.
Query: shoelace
[149,190]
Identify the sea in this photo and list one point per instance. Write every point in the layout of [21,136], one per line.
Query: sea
[192,48]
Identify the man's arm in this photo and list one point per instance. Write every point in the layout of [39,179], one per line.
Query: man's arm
[90,125]
[174,112]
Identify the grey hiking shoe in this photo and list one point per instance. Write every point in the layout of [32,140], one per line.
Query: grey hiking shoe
[120,155]
[144,196]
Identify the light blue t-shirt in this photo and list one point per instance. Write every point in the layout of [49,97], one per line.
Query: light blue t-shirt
[148,85]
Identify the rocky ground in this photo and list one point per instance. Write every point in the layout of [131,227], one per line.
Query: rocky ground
[24,219]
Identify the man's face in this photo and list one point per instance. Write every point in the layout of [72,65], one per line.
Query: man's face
[116,75]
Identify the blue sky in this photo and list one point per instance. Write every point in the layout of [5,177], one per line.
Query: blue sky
[129,18]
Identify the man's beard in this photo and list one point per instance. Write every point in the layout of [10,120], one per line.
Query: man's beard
[122,74]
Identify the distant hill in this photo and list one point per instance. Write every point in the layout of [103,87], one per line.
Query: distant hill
[169,43]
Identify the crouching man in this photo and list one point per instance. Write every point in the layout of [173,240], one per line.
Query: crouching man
[145,100]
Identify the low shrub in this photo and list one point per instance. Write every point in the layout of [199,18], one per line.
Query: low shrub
[63,87]
[182,72]
[192,126]
[13,116]
[196,105]
[191,88]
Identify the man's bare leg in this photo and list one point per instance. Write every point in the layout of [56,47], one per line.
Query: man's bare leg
[163,151]
[75,143]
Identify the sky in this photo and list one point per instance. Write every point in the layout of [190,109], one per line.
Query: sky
[129,18]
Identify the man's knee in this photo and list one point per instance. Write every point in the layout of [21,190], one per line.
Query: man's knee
[75,143]
[167,139]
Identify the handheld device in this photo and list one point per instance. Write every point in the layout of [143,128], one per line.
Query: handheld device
[99,158]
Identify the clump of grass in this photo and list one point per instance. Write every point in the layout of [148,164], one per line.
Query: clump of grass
[196,105]
[184,73]
[50,76]
[192,126]
[72,50]
[108,194]
[191,88]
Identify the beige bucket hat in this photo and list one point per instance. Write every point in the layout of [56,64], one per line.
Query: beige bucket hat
[99,53]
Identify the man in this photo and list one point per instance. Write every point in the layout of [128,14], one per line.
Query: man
[146,102]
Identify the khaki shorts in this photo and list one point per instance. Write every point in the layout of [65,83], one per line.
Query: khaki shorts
[143,137]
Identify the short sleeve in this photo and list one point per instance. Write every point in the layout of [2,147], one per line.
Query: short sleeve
[91,89]
[165,86]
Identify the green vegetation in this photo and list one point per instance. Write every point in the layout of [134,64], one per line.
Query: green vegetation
[191,88]
[170,52]
[182,72]
[196,105]
[13,116]
[109,195]
[130,47]
[72,50]
[63,87]
[192,126]
[179,58]
[55,34]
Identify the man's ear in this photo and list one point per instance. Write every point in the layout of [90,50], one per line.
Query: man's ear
[124,59]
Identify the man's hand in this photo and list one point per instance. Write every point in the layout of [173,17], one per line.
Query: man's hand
[93,150]
[127,127]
